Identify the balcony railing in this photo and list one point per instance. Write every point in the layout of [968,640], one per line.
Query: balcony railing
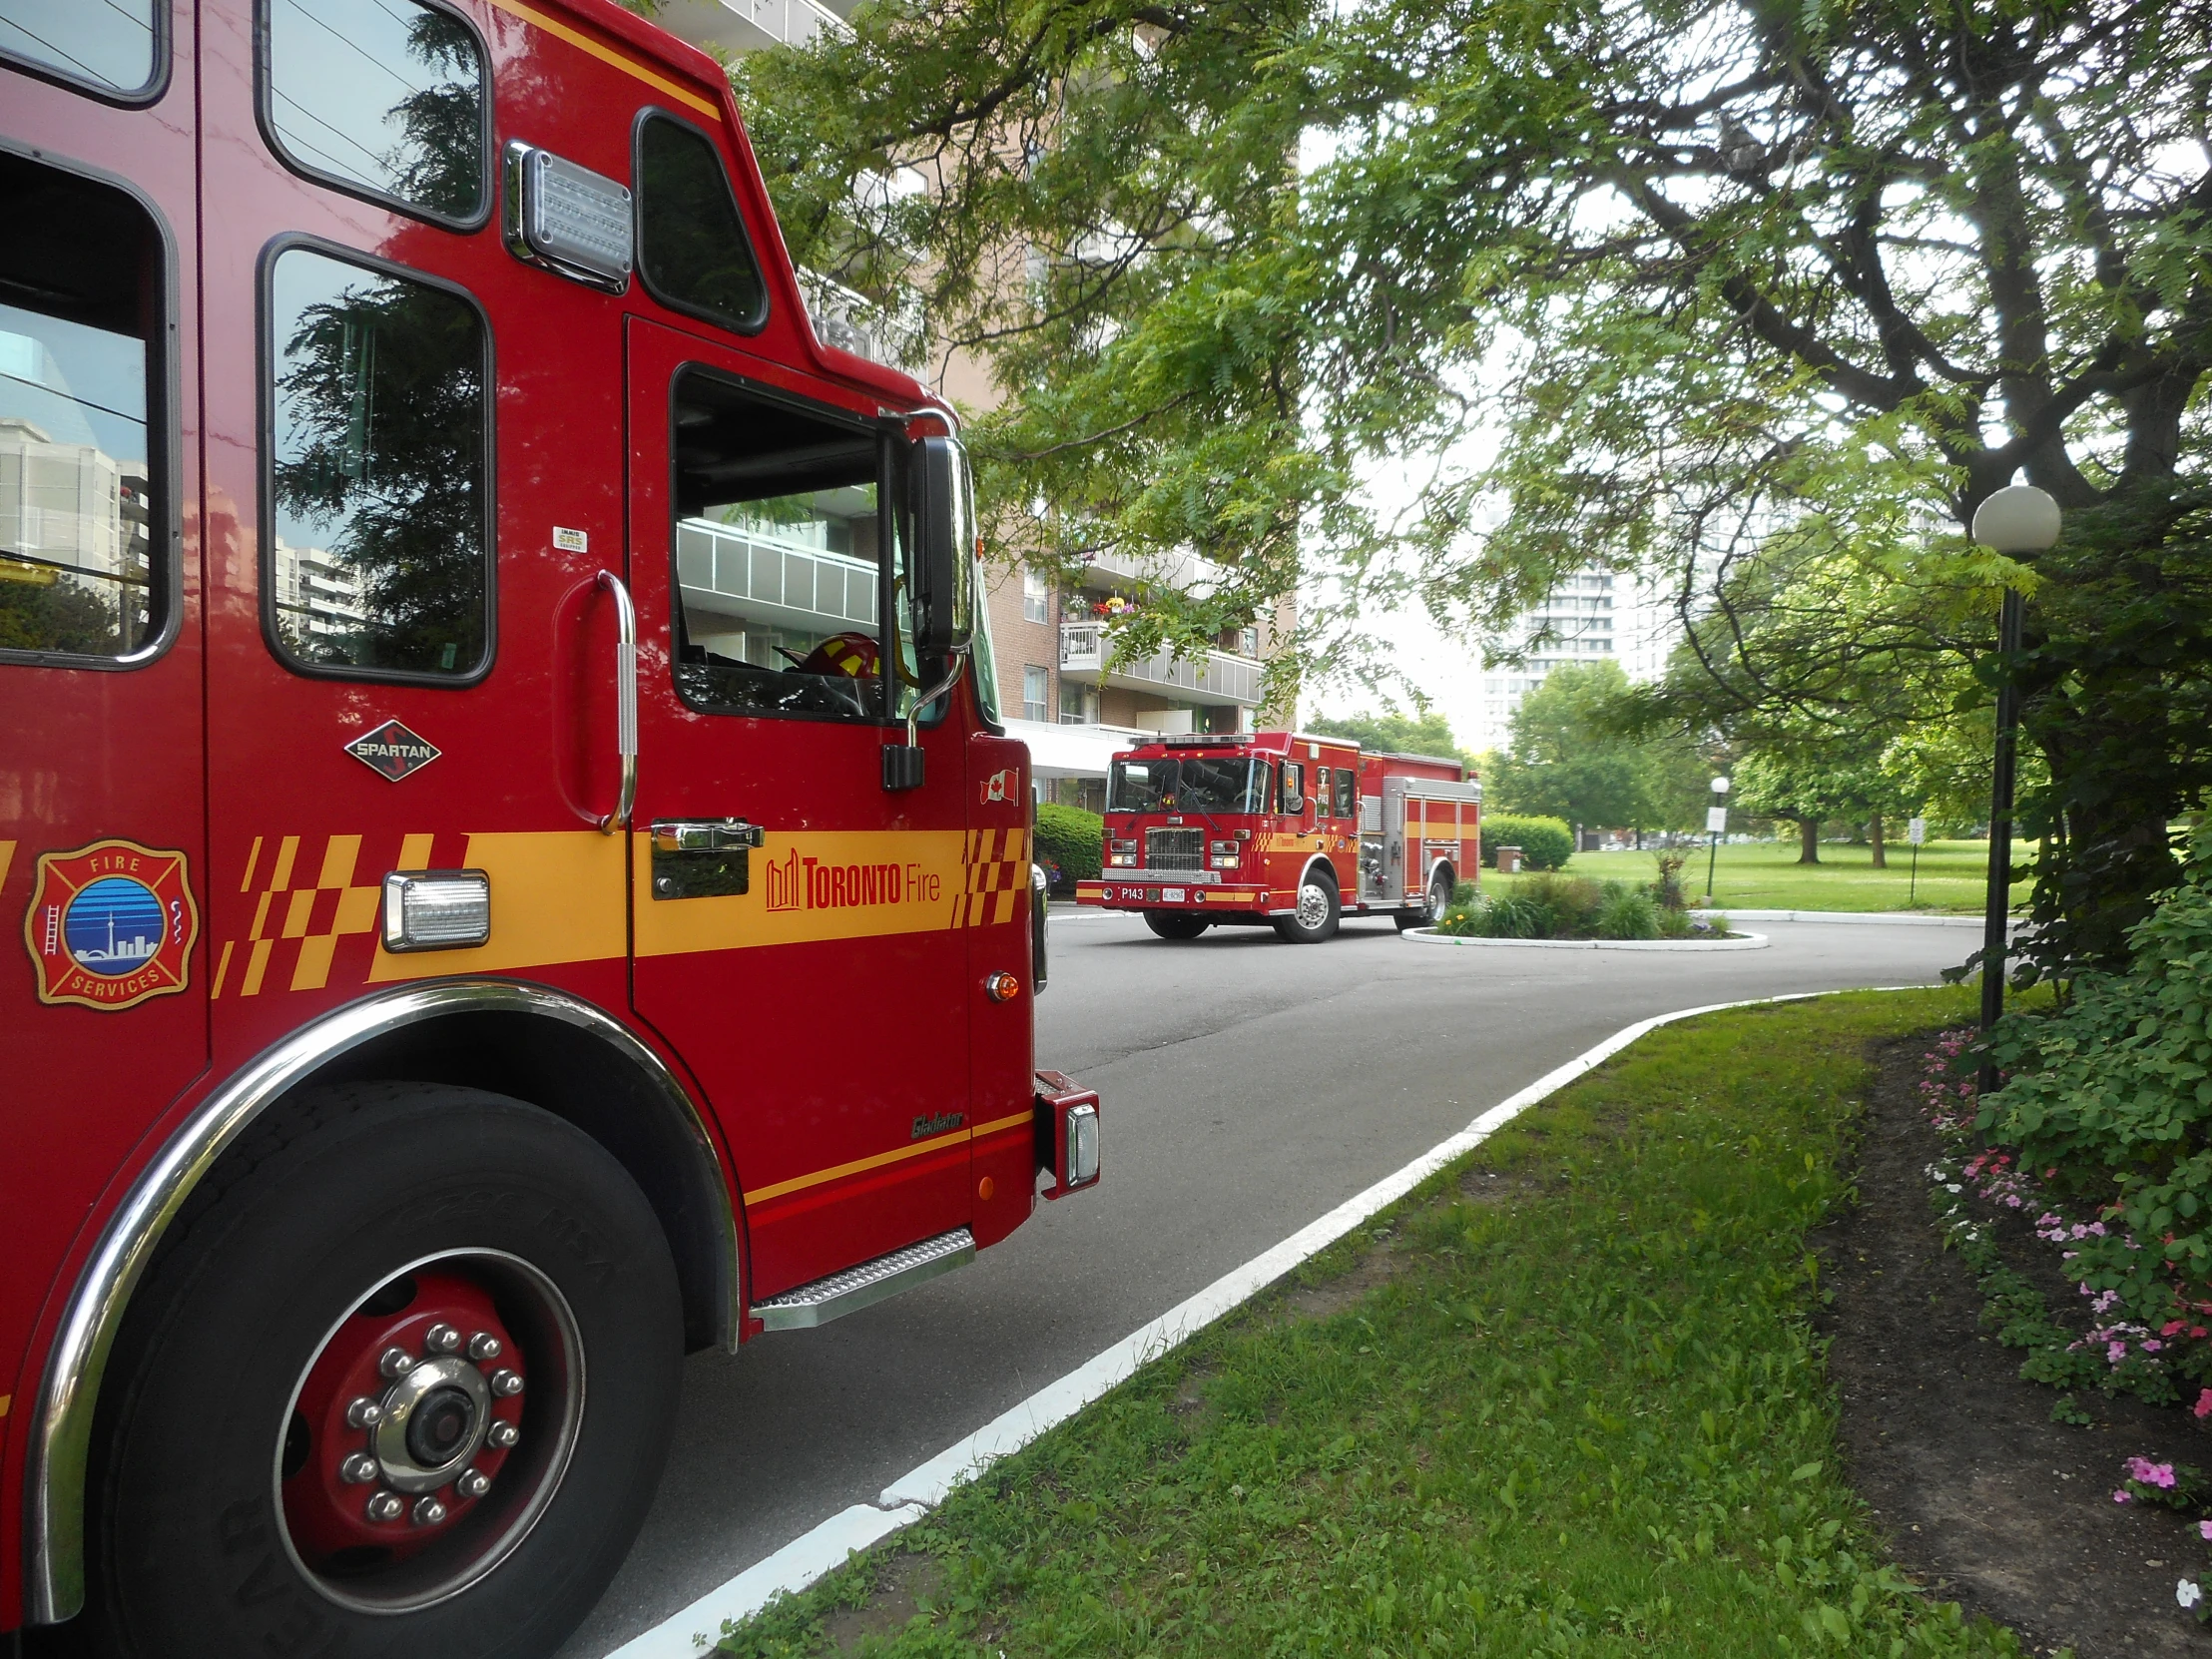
[1218,677]
[852,323]
[749,25]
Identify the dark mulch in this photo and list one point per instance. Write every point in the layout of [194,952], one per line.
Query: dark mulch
[1983,1496]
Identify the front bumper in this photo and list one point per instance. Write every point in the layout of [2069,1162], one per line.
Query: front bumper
[1067,1134]
[1155,893]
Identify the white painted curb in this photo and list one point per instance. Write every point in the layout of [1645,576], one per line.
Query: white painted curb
[912,1497]
[1862,919]
[1741,941]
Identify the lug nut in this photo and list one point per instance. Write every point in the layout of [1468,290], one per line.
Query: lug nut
[441,1338]
[385,1506]
[428,1511]
[503,1433]
[395,1361]
[506,1384]
[359,1469]
[472,1483]
[363,1414]
[484,1346]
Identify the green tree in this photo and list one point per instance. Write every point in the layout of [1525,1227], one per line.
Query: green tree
[1811,788]
[1567,757]
[1429,734]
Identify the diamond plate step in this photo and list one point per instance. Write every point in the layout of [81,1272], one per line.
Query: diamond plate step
[870,1282]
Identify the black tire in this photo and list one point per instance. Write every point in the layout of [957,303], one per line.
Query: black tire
[1175,924]
[1319,909]
[1433,909]
[193,1552]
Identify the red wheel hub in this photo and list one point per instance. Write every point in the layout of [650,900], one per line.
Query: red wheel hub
[402,1423]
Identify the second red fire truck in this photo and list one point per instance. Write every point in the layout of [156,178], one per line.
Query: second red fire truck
[512,863]
[1285,829]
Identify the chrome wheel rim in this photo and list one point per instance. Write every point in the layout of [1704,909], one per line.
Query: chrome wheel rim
[399,1484]
[1440,900]
[1313,905]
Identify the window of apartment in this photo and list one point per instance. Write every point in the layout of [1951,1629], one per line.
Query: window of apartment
[392,101]
[376,559]
[114,47]
[780,559]
[86,544]
[691,247]
[1036,693]
[1248,641]
[1078,704]
[1035,598]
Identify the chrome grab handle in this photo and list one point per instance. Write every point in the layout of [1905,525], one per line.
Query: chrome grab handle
[709,835]
[625,700]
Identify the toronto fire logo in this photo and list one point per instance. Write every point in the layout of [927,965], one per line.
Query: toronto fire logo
[111,924]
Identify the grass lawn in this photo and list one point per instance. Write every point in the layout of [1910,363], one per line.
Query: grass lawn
[1562,1401]
[1764,875]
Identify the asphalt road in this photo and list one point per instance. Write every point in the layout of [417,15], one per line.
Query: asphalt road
[1248,1086]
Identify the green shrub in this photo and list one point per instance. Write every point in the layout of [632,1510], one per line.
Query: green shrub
[1573,900]
[1069,843]
[2112,1096]
[1546,842]
[1627,913]
[1674,924]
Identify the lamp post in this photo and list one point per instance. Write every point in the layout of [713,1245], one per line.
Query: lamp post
[1716,824]
[2017,519]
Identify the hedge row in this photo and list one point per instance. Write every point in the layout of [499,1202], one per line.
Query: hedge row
[1068,844]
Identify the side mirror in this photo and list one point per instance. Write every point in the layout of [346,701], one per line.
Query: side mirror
[945,564]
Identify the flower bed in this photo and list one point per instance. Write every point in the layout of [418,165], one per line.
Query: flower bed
[1555,907]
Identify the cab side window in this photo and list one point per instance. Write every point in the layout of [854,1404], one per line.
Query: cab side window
[390,100]
[781,570]
[114,47]
[691,247]
[1348,783]
[1325,792]
[1294,787]
[86,544]
[377,535]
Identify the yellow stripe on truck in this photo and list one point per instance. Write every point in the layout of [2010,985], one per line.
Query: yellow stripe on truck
[814,885]
[556,896]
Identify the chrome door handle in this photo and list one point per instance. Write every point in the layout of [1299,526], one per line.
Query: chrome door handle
[709,834]
[626,701]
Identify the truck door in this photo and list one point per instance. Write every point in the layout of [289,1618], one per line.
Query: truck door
[103,868]
[806,962]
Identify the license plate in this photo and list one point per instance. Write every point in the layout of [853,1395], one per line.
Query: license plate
[1174,896]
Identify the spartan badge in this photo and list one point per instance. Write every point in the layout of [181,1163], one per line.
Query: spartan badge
[392,751]
[111,924]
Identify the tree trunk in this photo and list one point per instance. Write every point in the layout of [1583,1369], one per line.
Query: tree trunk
[1873,834]
[1809,841]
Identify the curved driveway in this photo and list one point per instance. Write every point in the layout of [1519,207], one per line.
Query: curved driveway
[1249,1086]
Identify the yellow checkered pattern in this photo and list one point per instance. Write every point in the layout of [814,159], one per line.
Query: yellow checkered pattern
[997,876]
[301,914]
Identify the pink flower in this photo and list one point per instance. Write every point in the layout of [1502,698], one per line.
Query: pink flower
[2204,1531]
[2150,1474]
[2203,1406]
[2120,1496]
[2114,1353]
[2169,1328]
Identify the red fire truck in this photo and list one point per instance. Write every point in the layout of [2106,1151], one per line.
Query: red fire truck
[1283,828]
[513,881]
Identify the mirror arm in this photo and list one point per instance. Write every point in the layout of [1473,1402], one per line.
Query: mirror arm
[958,655]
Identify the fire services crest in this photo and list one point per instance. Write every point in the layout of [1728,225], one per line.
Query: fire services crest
[111,924]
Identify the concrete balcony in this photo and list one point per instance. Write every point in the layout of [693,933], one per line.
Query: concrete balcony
[1218,677]
[1184,572]
[739,26]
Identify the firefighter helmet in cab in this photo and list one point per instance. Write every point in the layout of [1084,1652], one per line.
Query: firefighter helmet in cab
[851,655]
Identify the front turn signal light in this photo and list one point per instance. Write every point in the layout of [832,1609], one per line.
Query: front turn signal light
[436,909]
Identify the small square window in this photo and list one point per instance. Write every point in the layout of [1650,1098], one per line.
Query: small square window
[1034,597]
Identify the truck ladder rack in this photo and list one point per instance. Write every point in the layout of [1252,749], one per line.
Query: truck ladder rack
[870,1282]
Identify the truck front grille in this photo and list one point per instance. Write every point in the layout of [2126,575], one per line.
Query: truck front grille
[1175,849]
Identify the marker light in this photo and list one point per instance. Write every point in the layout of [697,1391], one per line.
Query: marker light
[436,909]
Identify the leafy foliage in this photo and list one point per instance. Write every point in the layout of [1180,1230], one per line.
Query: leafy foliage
[1429,734]
[1070,843]
[1568,759]
[2110,1099]
[1545,843]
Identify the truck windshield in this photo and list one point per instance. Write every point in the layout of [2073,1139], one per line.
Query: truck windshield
[1193,783]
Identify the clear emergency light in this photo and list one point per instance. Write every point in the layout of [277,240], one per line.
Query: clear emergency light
[1067,1133]
[436,909]
[568,219]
